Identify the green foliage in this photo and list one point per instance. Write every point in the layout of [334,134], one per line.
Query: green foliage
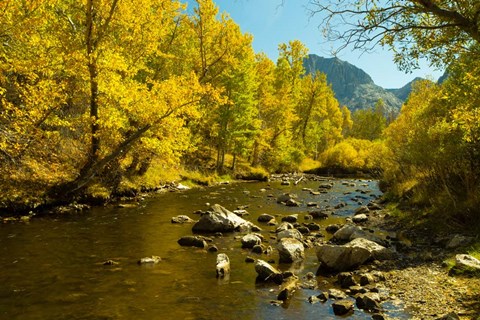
[368,123]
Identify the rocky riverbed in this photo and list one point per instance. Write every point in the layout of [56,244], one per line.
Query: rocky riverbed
[410,271]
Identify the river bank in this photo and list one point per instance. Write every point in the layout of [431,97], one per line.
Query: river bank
[421,277]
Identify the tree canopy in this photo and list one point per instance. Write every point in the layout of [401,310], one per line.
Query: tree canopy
[439,30]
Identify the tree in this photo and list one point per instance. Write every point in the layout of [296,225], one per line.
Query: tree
[66,56]
[320,119]
[369,123]
[437,30]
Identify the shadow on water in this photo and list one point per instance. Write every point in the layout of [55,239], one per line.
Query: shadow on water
[52,268]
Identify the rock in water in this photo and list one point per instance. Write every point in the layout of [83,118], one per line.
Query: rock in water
[150,260]
[267,273]
[221,220]
[182,219]
[288,287]
[342,307]
[286,197]
[369,301]
[290,250]
[250,240]
[290,233]
[264,217]
[223,265]
[192,241]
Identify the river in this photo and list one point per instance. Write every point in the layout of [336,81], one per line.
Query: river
[52,267]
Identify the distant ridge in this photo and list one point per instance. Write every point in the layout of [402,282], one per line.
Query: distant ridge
[404,91]
[353,87]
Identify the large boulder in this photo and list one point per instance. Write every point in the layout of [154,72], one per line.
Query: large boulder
[350,232]
[266,272]
[290,250]
[351,255]
[221,220]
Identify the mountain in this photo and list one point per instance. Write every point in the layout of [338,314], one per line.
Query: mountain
[353,87]
[404,91]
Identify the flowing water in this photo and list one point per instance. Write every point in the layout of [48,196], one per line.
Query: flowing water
[52,267]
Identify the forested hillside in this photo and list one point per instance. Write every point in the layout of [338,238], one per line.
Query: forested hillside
[100,98]
[104,97]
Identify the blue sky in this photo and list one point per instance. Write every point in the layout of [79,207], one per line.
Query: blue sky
[272,23]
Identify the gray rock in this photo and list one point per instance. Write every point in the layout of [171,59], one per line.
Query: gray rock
[285,197]
[266,272]
[332,228]
[290,250]
[350,232]
[223,265]
[326,186]
[320,214]
[249,259]
[465,263]
[323,296]
[258,249]
[182,219]
[150,260]
[221,220]
[351,255]
[345,233]
[346,280]
[265,217]
[374,206]
[312,226]
[359,218]
[291,218]
[336,294]
[241,212]
[290,233]
[342,307]
[369,301]
[250,240]
[303,230]
[366,279]
[212,248]
[313,299]
[292,203]
[192,241]
[458,241]
[360,210]
[284,226]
